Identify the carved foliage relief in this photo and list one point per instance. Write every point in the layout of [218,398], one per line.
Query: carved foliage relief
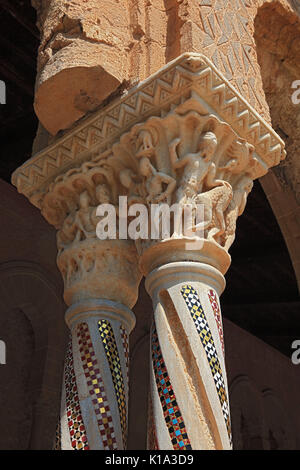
[185,157]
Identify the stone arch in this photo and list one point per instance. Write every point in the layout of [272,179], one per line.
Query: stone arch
[30,293]
[277,34]
[278,432]
[246,414]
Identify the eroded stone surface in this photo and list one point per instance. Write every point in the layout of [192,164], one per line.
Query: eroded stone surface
[89,49]
[82,58]
[277,37]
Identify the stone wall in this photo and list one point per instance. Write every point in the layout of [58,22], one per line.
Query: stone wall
[31,325]
[90,51]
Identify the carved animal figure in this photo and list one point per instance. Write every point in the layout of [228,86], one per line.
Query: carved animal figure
[235,209]
[145,144]
[240,154]
[215,202]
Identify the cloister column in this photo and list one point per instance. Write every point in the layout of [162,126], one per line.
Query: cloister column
[184,136]
[101,279]
[203,152]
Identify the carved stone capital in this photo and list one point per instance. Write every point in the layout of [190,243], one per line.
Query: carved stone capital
[184,136]
[106,269]
[188,156]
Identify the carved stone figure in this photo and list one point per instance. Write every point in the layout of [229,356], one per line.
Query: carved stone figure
[196,167]
[103,195]
[235,209]
[132,183]
[154,183]
[240,154]
[215,202]
[67,233]
[145,144]
[81,224]
[184,132]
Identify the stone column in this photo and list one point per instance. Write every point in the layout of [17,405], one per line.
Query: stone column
[202,153]
[184,136]
[95,387]
[188,377]
[100,286]
[101,279]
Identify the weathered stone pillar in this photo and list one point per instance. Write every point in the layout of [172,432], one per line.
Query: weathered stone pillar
[184,136]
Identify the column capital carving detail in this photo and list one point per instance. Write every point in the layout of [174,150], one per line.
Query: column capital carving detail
[190,75]
[184,136]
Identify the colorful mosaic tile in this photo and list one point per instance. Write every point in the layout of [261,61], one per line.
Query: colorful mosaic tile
[113,358]
[171,411]
[195,308]
[96,388]
[217,313]
[125,343]
[75,422]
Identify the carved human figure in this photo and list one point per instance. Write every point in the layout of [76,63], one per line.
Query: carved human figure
[103,194]
[85,228]
[81,224]
[235,209]
[71,230]
[197,167]
[67,233]
[154,183]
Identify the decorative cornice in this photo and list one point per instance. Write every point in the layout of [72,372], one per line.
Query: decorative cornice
[189,75]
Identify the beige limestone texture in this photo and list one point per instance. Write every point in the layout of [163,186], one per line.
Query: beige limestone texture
[82,57]
[277,37]
[92,49]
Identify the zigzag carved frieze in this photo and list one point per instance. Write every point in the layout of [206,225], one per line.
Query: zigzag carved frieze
[189,75]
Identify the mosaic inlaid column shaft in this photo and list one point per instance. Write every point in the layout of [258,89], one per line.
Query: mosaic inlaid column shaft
[94,411]
[189,393]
